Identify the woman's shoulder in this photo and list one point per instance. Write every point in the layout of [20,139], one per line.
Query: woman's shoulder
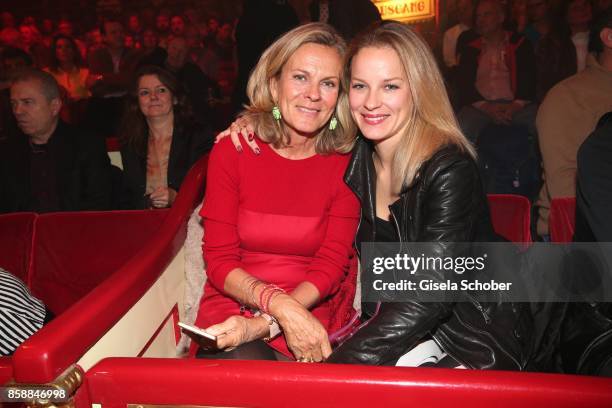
[452,159]
[226,149]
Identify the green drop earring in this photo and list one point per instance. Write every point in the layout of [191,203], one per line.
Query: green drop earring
[276,113]
[333,123]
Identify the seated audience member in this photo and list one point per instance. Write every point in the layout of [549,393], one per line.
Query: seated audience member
[135,29]
[162,27]
[279,226]
[114,64]
[67,68]
[50,166]
[465,12]
[65,27]
[347,16]
[496,75]
[200,88]
[149,41]
[569,114]
[11,61]
[112,68]
[433,194]
[177,26]
[159,141]
[555,53]
[577,14]
[539,20]
[21,314]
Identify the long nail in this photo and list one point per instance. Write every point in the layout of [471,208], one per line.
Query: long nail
[257,151]
[239,148]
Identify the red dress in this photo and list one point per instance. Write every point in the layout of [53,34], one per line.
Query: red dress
[283,221]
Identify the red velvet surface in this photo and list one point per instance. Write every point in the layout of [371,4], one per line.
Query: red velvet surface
[511,216]
[6,369]
[116,382]
[562,219]
[64,341]
[16,232]
[75,252]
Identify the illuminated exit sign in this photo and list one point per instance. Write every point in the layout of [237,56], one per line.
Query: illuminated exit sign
[408,11]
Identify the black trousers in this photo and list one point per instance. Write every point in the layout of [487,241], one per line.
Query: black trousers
[255,350]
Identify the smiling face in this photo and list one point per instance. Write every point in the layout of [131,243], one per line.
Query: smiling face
[379,95]
[154,98]
[307,89]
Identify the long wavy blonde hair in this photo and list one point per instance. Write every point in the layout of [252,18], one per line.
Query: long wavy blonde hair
[432,123]
[270,66]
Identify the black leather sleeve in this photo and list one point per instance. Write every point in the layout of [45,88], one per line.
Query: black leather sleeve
[449,190]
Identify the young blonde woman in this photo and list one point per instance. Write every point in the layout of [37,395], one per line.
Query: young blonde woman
[416,178]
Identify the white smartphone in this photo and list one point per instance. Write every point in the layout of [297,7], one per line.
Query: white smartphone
[204,339]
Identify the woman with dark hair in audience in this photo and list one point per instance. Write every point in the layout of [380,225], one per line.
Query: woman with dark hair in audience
[160,141]
[67,67]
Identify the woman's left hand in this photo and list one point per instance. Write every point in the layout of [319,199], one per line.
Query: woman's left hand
[237,330]
[162,197]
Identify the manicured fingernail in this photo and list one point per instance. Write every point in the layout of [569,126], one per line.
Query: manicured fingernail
[251,137]
[239,148]
[257,151]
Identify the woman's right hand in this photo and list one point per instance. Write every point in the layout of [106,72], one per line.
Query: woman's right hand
[305,335]
[240,127]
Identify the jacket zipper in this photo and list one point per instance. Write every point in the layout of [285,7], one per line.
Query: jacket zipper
[480,308]
[485,315]
[492,338]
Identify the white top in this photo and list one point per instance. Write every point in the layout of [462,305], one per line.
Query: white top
[581,42]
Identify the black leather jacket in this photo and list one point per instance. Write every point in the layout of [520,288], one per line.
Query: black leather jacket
[445,204]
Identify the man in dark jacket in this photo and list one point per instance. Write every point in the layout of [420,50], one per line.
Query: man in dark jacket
[347,16]
[496,75]
[50,166]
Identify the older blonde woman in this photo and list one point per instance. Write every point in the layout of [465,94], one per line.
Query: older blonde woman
[279,228]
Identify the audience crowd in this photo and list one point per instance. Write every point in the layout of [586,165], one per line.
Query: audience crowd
[537,70]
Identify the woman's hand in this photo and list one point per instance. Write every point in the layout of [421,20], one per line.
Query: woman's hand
[240,127]
[162,197]
[238,330]
[305,335]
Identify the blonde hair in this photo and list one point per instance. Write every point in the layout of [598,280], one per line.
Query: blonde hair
[432,123]
[270,66]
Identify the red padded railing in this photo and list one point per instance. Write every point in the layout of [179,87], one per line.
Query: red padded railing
[16,232]
[511,216]
[6,369]
[76,251]
[66,339]
[562,219]
[116,382]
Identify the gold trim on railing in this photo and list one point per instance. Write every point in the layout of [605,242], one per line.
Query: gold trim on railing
[63,389]
[174,406]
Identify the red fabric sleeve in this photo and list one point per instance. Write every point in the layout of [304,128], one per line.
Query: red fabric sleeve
[331,262]
[219,214]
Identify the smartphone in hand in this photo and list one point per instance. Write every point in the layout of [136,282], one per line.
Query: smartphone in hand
[200,336]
